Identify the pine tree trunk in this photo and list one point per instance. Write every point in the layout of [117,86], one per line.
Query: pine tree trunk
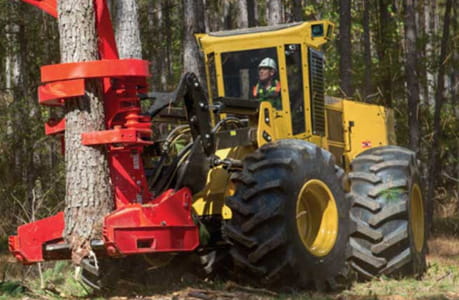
[385,50]
[434,166]
[88,189]
[126,24]
[422,62]
[194,23]
[412,83]
[252,12]
[297,10]
[167,33]
[242,18]
[431,47]
[274,12]
[455,87]
[345,48]
[155,36]
[367,81]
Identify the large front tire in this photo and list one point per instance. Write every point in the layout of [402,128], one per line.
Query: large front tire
[290,223]
[388,209]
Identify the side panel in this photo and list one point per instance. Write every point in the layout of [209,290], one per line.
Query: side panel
[353,127]
[366,126]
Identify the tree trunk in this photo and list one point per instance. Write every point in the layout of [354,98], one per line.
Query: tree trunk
[411,74]
[455,87]
[252,12]
[245,13]
[297,10]
[367,81]
[242,18]
[385,49]
[126,23]
[167,31]
[228,15]
[345,48]
[274,12]
[155,36]
[422,62]
[431,47]
[434,166]
[194,23]
[88,190]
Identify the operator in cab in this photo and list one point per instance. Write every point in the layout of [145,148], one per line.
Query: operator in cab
[268,88]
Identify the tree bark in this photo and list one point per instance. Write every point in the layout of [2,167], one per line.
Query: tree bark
[297,10]
[431,47]
[412,83]
[126,23]
[89,195]
[167,33]
[422,62]
[345,48]
[385,50]
[245,13]
[155,36]
[367,81]
[455,86]
[242,18]
[252,12]
[194,23]
[274,12]
[434,166]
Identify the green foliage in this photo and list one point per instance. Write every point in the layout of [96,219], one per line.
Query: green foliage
[10,289]
[60,282]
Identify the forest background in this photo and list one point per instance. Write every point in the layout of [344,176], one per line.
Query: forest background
[403,54]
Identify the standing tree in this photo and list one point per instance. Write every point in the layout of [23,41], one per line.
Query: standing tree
[434,166]
[242,18]
[274,12]
[88,189]
[385,48]
[344,46]
[455,86]
[297,10]
[194,23]
[126,23]
[367,81]
[412,83]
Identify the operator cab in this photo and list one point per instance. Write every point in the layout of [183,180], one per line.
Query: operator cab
[233,59]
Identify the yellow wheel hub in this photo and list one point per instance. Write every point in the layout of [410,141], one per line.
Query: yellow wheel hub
[317,217]
[417,217]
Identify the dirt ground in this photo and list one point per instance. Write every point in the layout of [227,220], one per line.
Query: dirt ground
[441,281]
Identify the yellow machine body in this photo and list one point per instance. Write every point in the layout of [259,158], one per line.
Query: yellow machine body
[343,127]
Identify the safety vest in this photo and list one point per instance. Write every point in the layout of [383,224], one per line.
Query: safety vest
[271,94]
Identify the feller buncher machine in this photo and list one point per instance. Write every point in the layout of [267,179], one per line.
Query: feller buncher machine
[303,193]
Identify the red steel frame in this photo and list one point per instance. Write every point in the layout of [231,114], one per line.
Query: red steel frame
[139,223]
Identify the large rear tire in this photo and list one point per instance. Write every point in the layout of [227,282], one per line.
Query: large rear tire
[389,237]
[290,223]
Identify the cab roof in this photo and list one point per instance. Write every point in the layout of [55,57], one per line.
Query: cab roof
[313,34]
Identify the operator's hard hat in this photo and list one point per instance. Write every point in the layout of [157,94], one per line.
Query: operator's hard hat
[268,62]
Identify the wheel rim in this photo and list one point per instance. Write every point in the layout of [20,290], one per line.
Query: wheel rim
[317,217]
[417,217]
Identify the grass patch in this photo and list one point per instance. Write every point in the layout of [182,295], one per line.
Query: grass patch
[441,281]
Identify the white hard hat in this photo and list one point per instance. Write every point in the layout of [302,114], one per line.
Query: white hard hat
[268,62]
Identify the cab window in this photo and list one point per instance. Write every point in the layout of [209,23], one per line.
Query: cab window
[295,86]
[241,75]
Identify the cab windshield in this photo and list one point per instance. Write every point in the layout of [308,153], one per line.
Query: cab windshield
[241,75]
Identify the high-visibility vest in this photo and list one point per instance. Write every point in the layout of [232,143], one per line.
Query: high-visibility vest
[271,94]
